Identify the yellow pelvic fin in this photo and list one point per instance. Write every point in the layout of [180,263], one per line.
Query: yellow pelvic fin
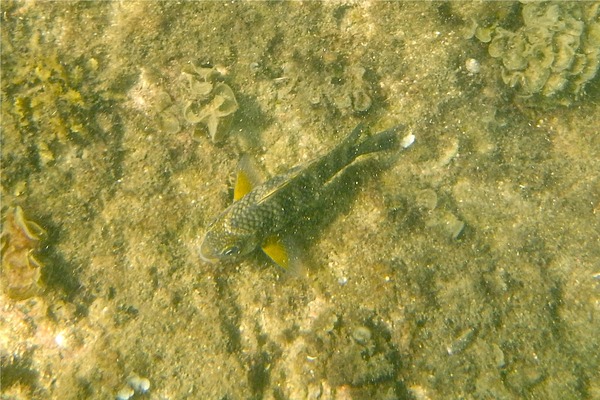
[274,248]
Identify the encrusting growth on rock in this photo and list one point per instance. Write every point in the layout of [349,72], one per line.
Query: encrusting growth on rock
[20,268]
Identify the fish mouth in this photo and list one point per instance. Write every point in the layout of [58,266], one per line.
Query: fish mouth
[205,254]
[207,259]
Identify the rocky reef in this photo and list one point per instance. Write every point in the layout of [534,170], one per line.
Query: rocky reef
[465,267]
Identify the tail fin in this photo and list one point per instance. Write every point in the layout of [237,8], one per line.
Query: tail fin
[381,141]
[356,144]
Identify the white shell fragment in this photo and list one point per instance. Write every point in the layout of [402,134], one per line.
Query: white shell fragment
[407,140]
[461,342]
[473,66]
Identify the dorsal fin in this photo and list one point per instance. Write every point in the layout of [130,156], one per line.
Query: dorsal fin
[287,179]
[247,178]
[243,186]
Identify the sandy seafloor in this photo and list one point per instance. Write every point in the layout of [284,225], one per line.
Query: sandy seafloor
[398,300]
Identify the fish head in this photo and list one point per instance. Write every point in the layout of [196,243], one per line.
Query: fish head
[224,243]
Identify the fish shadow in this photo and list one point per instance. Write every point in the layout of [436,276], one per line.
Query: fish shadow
[338,198]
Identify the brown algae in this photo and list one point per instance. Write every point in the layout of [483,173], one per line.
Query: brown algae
[20,268]
[211,103]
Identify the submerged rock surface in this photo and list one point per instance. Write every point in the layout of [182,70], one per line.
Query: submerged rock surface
[463,266]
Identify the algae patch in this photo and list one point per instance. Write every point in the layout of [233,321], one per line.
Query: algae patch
[49,97]
[554,53]
[197,97]
[210,103]
[20,268]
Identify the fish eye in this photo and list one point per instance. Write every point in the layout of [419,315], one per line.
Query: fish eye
[231,251]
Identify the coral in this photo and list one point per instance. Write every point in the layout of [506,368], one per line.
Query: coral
[210,103]
[20,268]
[556,51]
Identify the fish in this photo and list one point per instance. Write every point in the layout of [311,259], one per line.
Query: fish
[261,213]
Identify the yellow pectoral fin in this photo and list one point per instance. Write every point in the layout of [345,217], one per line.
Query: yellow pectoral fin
[274,248]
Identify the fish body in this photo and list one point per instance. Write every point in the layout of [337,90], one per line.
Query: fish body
[261,213]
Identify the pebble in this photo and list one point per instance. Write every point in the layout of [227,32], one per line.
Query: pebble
[138,384]
[361,101]
[473,66]
[125,393]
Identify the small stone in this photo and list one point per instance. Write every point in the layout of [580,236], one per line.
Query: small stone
[125,393]
[498,355]
[325,322]
[427,199]
[92,64]
[169,122]
[362,335]
[361,101]
[484,34]
[315,99]
[139,384]
[454,226]
[162,101]
[461,342]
